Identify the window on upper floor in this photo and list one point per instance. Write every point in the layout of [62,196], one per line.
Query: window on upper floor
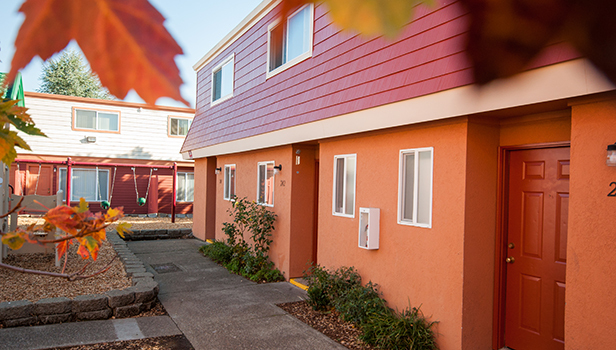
[179,126]
[265,183]
[290,42]
[87,119]
[222,80]
[229,191]
[92,184]
[415,187]
[344,185]
[186,187]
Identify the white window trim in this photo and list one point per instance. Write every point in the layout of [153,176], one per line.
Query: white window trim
[298,59]
[273,187]
[97,184]
[401,168]
[177,182]
[179,118]
[345,184]
[224,185]
[219,66]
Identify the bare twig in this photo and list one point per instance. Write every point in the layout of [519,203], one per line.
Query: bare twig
[14,209]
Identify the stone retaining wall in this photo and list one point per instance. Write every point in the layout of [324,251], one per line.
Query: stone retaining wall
[140,235]
[141,296]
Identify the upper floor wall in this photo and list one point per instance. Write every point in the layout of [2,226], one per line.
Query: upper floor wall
[88,127]
[343,73]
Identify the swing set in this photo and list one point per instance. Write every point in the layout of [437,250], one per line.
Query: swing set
[141,201]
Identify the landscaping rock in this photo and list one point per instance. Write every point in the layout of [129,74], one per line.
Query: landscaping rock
[127,311]
[19,322]
[87,303]
[52,306]
[145,291]
[94,315]
[15,309]
[59,318]
[119,298]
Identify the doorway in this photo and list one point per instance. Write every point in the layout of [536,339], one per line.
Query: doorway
[534,251]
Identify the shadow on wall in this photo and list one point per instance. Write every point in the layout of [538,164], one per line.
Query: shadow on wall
[137,152]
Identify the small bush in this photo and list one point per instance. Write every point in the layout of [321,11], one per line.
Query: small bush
[325,287]
[359,303]
[397,331]
[217,251]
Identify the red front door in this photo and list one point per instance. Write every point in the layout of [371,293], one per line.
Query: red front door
[538,198]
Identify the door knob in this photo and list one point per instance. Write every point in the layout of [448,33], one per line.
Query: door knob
[511,245]
[510,260]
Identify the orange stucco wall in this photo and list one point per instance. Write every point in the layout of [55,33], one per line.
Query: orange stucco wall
[591,245]
[246,186]
[420,265]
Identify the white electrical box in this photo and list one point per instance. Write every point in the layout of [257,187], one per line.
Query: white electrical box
[369,221]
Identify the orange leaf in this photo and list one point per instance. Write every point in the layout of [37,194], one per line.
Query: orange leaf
[62,247]
[62,218]
[83,252]
[124,41]
[14,240]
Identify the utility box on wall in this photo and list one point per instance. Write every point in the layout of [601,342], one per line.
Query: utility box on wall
[369,221]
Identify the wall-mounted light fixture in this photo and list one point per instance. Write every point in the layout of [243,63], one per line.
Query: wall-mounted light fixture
[277,169]
[218,170]
[90,139]
[611,155]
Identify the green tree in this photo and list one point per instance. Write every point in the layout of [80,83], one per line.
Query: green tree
[69,75]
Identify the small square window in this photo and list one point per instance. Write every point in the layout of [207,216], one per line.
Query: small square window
[344,185]
[229,174]
[415,187]
[179,126]
[222,80]
[265,178]
[185,191]
[290,42]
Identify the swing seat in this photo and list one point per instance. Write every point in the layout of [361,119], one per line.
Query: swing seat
[105,205]
[141,201]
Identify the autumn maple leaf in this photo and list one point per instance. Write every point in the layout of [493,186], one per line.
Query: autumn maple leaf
[124,41]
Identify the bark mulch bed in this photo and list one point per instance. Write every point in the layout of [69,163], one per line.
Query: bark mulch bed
[174,342]
[328,323]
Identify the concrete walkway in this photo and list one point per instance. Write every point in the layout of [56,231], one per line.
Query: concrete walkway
[219,310]
[211,307]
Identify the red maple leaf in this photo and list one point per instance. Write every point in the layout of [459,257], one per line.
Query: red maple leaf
[124,41]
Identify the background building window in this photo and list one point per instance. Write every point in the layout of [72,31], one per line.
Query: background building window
[89,184]
[96,120]
[229,181]
[265,194]
[344,185]
[222,80]
[185,191]
[179,126]
[415,187]
[291,40]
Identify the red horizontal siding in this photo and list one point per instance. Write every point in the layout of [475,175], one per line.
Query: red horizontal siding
[346,73]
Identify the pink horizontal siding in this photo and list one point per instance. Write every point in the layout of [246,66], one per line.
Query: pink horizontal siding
[346,73]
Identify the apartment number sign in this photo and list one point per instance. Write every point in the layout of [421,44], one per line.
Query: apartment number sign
[613,191]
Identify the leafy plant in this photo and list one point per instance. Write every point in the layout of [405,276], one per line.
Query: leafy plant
[395,330]
[326,287]
[359,303]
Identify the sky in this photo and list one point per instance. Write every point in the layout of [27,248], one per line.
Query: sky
[197,26]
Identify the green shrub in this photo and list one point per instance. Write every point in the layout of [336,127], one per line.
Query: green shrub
[250,260]
[359,303]
[396,331]
[324,287]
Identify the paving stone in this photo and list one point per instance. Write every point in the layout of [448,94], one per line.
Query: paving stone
[19,322]
[143,274]
[94,315]
[119,298]
[58,318]
[51,306]
[15,309]
[127,311]
[186,231]
[145,291]
[86,303]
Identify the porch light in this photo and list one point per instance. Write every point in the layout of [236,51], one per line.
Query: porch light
[218,170]
[277,169]
[611,155]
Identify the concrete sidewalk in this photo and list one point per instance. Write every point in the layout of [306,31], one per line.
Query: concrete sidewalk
[219,310]
[213,308]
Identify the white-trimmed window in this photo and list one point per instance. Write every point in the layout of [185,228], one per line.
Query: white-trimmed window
[229,191]
[92,184]
[179,126]
[222,80]
[415,187]
[344,185]
[265,183]
[185,191]
[88,119]
[290,42]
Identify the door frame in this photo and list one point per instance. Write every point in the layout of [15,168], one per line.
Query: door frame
[500,268]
